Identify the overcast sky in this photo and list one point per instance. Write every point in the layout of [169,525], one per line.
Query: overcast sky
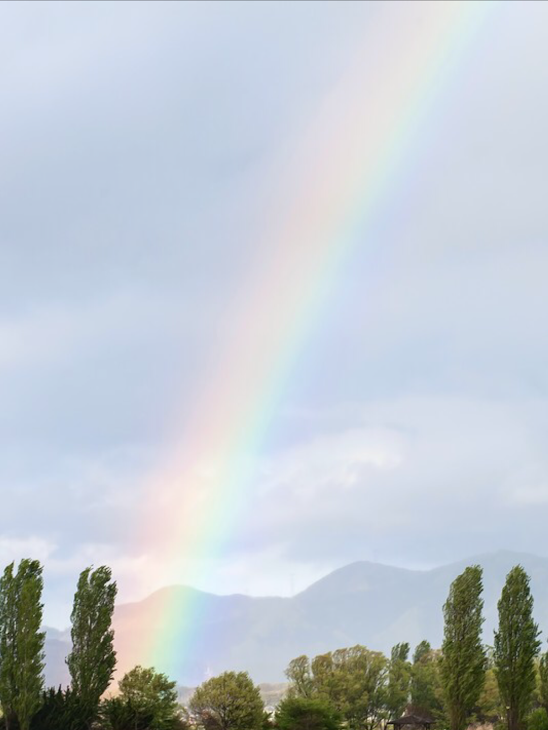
[139,149]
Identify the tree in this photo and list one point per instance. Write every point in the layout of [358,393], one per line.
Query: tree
[60,710]
[463,659]
[537,720]
[29,642]
[301,713]
[228,702]
[422,650]
[300,677]
[516,646]
[352,680]
[119,714]
[92,660]
[489,709]
[21,642]
[149,699]
[399,679]
[426,691]
[543,681]
[8,689]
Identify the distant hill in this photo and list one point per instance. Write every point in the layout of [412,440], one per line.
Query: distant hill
[362,603]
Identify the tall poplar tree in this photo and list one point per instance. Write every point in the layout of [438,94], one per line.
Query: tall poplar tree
[7,644]
[543,681]
[463,660]
[399,680]
[516,647]
[29,642]
[21,642]
[92,660]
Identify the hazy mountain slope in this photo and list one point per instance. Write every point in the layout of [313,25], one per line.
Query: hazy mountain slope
[365,603]
[57,648]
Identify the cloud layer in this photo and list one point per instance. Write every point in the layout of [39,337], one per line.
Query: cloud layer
[142,147]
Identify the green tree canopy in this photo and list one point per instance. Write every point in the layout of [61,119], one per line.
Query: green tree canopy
[117,714]
[463,660]
[60,710]
[489,705]
[228,702]
[422,650]
[299,674]
[302,713]
[516,646]
[352,680]
[21,642]
[8,687]
[148,696]
[537,720]
[92,659]
[426,690]
[543,681]
[399,680]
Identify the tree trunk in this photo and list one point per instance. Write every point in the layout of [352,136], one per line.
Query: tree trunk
[512,719]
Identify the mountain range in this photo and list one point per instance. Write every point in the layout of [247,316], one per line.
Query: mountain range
[361,603]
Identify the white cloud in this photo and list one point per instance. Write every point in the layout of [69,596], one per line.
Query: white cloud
[142,160]
[534,494]
[16,548]
[337,459]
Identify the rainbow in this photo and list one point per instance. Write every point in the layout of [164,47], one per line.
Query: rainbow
[357,148]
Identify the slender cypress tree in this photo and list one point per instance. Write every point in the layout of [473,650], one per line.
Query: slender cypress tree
[92,660]
[463,660]
[7,644]
[543,681]
[516,647]
[21,642]
[29,642]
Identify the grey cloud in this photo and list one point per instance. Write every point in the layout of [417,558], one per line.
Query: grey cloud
[140,148]
[451,475]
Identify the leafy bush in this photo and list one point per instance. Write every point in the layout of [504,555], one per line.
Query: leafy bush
[229,701]
[300,713]
[120,714]
[61,709]
[538,720]
[147,701]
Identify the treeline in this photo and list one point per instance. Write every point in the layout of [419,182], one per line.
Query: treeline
[146,700]
[464,682]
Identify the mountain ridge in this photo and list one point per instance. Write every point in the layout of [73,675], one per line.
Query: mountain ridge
[363,602]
